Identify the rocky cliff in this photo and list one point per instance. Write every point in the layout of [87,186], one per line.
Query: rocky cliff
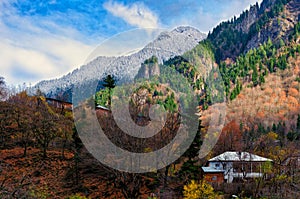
[274,19]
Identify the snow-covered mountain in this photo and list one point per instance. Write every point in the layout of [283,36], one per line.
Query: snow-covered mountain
[165,46]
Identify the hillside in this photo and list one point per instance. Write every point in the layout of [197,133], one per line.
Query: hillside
[272,19]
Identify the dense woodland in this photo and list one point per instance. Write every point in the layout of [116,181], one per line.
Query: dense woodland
[42,155]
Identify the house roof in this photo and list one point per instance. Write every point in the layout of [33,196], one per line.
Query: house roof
[211,170]
[235,156]
[57,100]
[102,107]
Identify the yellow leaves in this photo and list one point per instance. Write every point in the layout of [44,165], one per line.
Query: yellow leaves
[147,150]
[273,136]
[198,190]
[281,178]
[271,149]
[77,196]
[267,167]
[59,129]
[191,190]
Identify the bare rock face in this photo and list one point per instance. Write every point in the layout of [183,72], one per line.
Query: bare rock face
[140,97]
[279,27]
[250,18]
[272,19]
[125,68]
[148,70]
[140,108]
[155,70]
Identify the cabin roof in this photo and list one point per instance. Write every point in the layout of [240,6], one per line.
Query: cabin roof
[57,100]
[235,156]
[102,107]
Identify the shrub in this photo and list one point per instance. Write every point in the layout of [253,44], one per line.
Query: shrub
[198,190]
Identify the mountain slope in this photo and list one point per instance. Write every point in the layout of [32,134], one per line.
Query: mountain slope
[261,45]
[274,19]
[167,45]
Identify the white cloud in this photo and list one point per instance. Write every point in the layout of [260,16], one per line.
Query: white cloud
[136,14]
[46,57]
[236,7]
[205,20]
[30,53]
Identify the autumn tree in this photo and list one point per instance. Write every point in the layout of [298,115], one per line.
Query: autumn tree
[65,125]
[128,183]
[45,124]
[7,123]
[295,134]
[23,115]
[4,112]
[230,138]
[77,146]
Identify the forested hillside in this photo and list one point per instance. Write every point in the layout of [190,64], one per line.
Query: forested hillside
[250,63]
[272,19]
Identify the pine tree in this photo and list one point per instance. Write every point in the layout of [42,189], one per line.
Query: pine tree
[298,122]
[109,82]
[254,76]
[261,79]
[189,169]
[2,88]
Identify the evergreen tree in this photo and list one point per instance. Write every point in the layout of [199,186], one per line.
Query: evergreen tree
[2,88]
[189,169]
[298,123]
[109,82]
[254,76]
[261,79]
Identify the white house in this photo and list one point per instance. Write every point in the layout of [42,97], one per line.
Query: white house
[237,165]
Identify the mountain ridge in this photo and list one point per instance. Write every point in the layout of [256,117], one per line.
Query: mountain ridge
[165,46]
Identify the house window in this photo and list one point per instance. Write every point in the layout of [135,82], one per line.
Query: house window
[214,178]
[217,165]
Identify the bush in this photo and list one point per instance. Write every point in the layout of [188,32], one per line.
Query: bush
[198,190]
[76,196]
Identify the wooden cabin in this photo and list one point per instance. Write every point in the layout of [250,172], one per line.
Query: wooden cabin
[59,104]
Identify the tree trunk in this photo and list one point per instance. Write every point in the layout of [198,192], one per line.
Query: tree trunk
[166,176]
[63,149]
[25,149]
[44,151]
[76,160]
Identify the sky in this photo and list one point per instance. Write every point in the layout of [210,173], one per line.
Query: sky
[46,39]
